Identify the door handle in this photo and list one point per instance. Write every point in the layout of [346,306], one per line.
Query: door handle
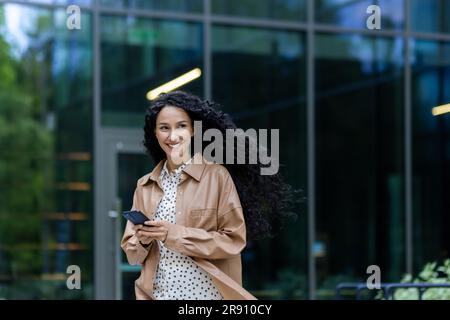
[113,214]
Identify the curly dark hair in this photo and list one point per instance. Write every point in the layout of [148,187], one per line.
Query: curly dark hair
[266,199]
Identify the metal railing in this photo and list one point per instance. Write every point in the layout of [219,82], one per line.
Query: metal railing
[388,289]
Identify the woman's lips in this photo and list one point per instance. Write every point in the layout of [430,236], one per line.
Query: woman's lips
[172,146]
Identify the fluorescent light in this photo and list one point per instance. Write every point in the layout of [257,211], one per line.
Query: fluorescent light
[437,111]
[175,83]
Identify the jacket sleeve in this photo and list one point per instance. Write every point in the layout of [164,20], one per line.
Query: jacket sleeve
[135,252]
[230,237]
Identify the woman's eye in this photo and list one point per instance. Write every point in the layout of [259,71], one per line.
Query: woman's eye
[183,125]
[163,128]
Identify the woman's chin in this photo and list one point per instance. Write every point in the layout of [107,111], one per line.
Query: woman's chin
[177,155]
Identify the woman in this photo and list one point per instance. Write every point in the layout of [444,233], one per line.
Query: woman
[200,212]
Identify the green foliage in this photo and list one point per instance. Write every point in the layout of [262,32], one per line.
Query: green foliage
[25,172]
[431,273]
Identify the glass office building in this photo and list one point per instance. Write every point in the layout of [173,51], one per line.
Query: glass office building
[353,107]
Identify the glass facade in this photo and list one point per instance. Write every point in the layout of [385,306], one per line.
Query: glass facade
[259,78]
[360,173]
[353,107]
[431,151]
[191,6]
[293,10]
[430,16]
[46,207]
[148,53]
[353,14]
[130,168]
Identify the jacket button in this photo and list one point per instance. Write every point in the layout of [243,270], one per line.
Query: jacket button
[179,212]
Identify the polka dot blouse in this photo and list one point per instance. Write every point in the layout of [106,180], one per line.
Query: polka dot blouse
[177,276]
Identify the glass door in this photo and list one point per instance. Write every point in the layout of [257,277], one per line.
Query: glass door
[131,166]
[120,162]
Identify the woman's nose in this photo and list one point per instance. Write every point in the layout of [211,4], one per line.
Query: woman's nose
[173,137]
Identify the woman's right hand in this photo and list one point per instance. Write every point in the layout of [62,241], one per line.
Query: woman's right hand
[143,234]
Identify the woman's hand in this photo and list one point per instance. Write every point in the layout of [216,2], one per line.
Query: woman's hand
[152,230]
[142,234]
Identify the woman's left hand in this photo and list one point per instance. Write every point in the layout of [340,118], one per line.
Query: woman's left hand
[159,229]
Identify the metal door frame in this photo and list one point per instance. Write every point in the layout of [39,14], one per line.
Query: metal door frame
[111,142]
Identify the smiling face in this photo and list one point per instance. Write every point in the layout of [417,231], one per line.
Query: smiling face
[174,131]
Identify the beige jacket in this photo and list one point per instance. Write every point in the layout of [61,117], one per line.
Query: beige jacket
[210,227]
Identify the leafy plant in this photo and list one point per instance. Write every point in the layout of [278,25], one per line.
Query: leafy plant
[25,172]
[432,273]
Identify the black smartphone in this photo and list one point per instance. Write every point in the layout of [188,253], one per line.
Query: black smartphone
[136,217]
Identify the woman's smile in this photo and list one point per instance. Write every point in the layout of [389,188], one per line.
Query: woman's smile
[172,145]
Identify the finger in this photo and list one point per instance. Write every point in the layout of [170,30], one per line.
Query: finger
[156,229]
[157,235]
[151,234]
[154,223]
[149,228]
[144,233]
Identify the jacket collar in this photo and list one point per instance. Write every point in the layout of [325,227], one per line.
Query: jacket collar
[195,169]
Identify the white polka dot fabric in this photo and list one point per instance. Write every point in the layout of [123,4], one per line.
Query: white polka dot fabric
[177,276]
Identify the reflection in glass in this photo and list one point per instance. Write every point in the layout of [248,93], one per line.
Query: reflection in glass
[131,167]
[259,78]
[430,15]
[68,2]
[359,159]
[193,6]
[431,152]
[46,174]
[353,14]
[139,55]
[274,9]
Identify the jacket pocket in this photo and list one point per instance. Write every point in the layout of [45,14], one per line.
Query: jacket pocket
[202,213]
[203,218]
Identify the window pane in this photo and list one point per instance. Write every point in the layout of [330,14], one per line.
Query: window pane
[259,78]
[193,6]
[430,15]
[274,9]
[359,159]
[46,175]
[68,2]
[139,55]
[353,14]
[431,152]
